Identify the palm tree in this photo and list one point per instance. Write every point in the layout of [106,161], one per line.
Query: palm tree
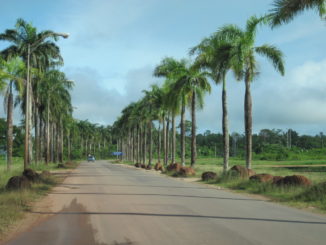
[54,95]
[244,63]
[14,68]
[171,69]
[151,100]
[285,10]
[36,50]
[216,56]
[191,85]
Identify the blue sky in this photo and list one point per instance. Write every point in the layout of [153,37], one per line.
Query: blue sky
[114,46]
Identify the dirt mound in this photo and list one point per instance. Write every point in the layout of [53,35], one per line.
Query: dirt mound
[137,165]
[251,172]
[31,175]
[186,171]
[174,167]
[276,179]
[294,180]
[149,167]
[242,171]
[45,174]
[18,182]
[262,178]
[208,176]
[158,166]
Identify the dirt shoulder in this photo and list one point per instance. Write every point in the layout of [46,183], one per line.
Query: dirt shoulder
[31,217]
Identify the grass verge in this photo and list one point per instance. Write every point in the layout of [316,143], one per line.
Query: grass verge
[313,197]
[13,204]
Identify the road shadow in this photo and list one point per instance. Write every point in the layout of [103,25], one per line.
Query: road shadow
[187,216]
[153,194]
[149,186]
[62,229]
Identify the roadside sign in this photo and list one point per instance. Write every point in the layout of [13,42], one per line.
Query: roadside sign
[117,153]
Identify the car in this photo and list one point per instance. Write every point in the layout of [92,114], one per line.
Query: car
[91,158]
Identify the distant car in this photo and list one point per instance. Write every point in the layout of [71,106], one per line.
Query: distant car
[91,158]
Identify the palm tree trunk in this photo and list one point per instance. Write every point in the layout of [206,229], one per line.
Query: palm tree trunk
[47,159]
[133,144]
[61,143]
[159,142]
[68,145]
[37,135]
[173,138]
[164,141]
[53,143]
[167,131]
[26,158]
[225,127]
[57,145]
[138,143]
[193,130]
[182,134]
[144,144]
[9,128]
[150,143]
[30,144]
[248,120]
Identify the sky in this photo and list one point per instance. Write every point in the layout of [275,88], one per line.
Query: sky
[114,46]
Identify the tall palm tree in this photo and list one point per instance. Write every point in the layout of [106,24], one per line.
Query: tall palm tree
[171,69]
[245,64]
[285,10]
[216,56]
[14,68]
[192,84]
[151,99]
[38,51]
[54,95]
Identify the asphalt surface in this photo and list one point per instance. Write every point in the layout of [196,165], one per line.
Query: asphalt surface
[103,203]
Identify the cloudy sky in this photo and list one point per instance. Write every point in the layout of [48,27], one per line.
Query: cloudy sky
[114,46]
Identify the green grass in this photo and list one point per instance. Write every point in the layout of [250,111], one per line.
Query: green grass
[13,204]
[301,197]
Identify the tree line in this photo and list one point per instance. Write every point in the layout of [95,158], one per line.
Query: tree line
[229,49]
[30,78]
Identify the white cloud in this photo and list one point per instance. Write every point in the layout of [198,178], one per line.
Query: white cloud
[99,104]
[296,101]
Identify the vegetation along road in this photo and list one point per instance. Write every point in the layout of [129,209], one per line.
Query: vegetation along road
[103,203]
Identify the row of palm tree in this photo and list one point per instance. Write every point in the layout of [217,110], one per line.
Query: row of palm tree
[29,67]
[43,92]
[229,49]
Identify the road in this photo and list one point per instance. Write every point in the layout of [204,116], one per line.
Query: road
[102,203]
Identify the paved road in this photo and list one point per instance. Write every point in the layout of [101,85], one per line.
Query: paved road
[103,203]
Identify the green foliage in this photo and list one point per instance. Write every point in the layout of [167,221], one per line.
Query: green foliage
[272,152]
[18,144]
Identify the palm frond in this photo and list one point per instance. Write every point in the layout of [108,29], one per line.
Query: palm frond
[284,11]
[274,55]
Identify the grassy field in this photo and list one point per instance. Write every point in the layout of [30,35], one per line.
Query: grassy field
[13,204]
[303,197]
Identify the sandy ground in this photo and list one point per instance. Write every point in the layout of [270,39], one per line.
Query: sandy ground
[103,203]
